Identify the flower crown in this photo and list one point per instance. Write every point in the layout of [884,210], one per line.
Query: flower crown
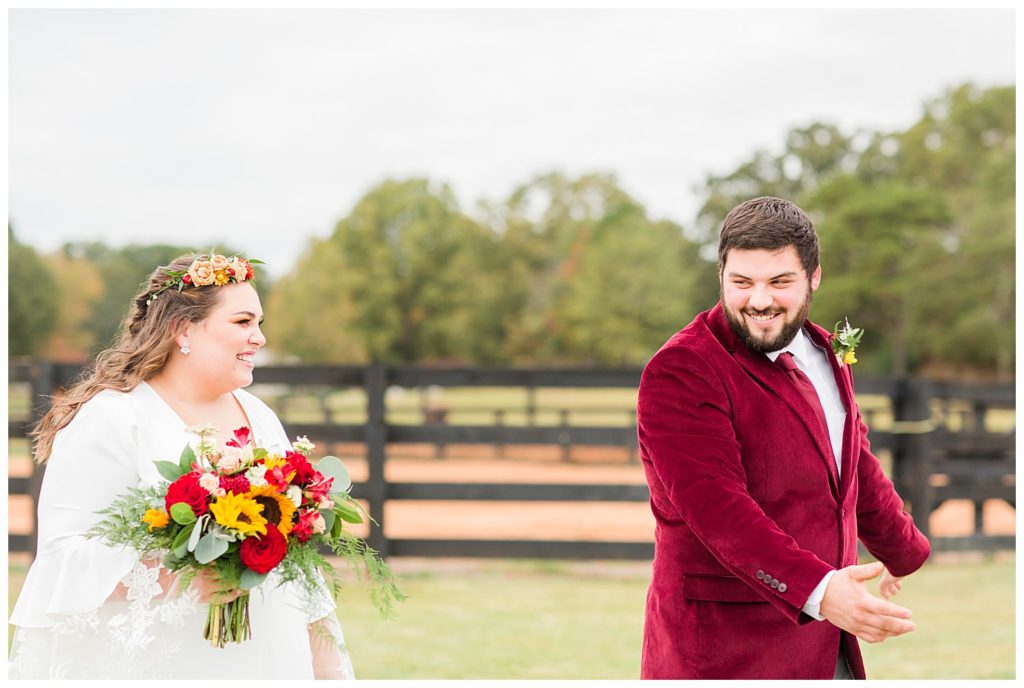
[215,270]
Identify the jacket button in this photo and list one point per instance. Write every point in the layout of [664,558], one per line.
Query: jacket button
[775,582]
[760,575]
[768,580]
[782,587]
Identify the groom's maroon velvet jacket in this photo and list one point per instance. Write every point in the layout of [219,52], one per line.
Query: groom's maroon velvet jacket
[750,515]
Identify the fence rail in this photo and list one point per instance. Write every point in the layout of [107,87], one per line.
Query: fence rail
[931,463]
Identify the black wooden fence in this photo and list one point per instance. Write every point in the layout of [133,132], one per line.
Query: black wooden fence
[941,445]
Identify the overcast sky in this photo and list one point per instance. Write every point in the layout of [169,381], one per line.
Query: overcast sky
[262,128]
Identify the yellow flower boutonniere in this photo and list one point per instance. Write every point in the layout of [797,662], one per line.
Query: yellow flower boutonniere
[845,341]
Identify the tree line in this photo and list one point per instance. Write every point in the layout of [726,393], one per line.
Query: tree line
[916,228]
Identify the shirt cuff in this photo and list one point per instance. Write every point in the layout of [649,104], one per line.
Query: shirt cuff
[812,607]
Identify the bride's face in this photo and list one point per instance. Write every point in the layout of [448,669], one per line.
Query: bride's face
[224,343]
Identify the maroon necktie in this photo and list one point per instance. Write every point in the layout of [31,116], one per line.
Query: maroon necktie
[805,387]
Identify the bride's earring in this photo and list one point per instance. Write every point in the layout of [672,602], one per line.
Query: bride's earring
[185,349]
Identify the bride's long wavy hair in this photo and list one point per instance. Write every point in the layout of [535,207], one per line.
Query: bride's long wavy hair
[144,343]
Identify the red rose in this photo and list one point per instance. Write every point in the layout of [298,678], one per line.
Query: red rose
[238,484]
[304,470]
[261,553]
[188,490]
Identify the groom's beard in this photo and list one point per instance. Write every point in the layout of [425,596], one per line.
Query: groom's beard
[767,343]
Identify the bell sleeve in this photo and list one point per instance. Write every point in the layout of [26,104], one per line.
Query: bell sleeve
[93,461]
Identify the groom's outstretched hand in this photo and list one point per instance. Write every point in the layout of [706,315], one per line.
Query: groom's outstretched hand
[848,605]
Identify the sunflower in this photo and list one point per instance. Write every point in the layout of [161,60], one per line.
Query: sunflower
[277,508]
[239,512]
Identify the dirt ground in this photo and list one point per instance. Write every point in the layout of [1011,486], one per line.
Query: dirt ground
[595,521]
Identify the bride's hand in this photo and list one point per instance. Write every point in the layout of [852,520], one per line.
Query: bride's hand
[210,588]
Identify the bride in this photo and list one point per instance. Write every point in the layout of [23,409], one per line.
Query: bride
[88,610]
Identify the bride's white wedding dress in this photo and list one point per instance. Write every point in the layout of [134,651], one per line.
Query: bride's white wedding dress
[66,627]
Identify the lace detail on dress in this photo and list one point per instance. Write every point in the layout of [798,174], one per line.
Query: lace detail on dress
[77,625]
[131,631]
[113,641]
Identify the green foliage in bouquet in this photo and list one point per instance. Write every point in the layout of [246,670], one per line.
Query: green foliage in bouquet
[241,512]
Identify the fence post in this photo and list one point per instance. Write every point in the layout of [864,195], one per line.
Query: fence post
[42,389]
[916,450]
[376,446]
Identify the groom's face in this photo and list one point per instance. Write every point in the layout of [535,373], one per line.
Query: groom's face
[766,296]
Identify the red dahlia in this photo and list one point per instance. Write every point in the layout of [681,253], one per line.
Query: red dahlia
[238,484]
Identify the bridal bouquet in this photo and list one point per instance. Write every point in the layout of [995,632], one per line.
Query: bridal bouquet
[241,512]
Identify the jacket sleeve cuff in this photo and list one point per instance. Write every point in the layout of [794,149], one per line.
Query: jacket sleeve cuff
[812,607]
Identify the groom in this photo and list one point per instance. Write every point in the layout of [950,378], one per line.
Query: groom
[762,479]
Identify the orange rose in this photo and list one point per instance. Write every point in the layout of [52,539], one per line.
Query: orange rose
[240,269]
[201,273]
[218,262]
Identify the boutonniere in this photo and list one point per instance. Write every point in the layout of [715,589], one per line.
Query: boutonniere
[845,341]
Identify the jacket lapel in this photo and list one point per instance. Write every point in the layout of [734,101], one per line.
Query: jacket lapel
[844,381]
[772,377]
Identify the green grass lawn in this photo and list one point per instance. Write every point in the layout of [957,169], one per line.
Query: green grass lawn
[552,620]
[538,620]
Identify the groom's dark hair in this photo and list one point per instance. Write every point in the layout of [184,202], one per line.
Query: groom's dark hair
[769,224]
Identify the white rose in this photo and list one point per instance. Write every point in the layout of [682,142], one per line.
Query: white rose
[209,482]
[231,460]
[294,493]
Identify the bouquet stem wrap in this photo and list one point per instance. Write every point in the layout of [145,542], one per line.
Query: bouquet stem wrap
[228,622]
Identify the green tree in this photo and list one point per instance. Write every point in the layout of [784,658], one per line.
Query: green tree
[595,279]
[32,299]
[400,280]
[810,156]
[309,313]
[917,230]
[877,241]
[80,287]
[964,146]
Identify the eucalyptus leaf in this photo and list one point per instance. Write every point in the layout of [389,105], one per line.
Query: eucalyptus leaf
[197,531]
[209,548]
[332,467]
[182,513]
[169,470]
[329,517]
[222,534]
[188,457]
[250,579]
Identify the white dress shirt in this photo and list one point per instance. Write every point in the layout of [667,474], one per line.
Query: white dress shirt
[812,362]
